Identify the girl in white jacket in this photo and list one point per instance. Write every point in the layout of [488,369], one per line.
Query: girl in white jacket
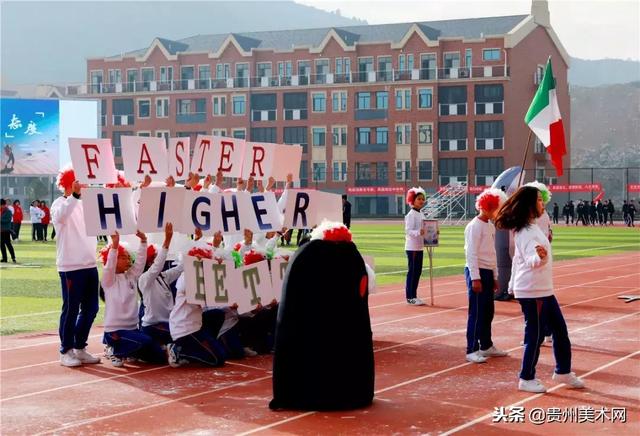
[414,244]
[532,284]
[119,283]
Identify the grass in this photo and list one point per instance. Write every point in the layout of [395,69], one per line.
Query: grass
[30,295]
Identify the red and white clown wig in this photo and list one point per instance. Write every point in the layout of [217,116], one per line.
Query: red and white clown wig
[65,178]
[544,190]
[413,193]
[490,199]
[122,249]
[331,231]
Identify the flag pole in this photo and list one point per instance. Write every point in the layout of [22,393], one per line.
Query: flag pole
[524,158]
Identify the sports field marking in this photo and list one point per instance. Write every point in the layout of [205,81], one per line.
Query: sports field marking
[150,406]
[453,368]
[28,314]
[533,397]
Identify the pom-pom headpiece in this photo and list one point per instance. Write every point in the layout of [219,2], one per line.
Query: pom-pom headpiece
[152,251]
[413,193]
[201,252]
[65,178]
[331,231]
[121,183]
[253,256]
[544,190]
[104,253]
[490,199]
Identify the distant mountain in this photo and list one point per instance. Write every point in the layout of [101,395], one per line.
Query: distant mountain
[605,126]
[49,41]
[583,72]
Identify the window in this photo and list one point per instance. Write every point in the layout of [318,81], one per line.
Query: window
[96,81]
[489,99]
[304,71]
[144,108]
[204,76]
[319,171]
[264,134]
[403,134]
[488,169]
[166,76]
[343,68]
[363,100]
[223,71]
[319,134]
[219,132]
[425,133]
[163,134]
[239,104]
[322,69]
[319,102]
[263,107]
[403,170]
[363,135]
[489,135]
[339,134]
[144,133]
[491,54]
[382,100]
[452,136]
[115,76]
[425,98]
[425,170]
[384,68]
[468,55]
[295,106]
[285,69]
[264,69]
[296,135]
[382,135]
[452,170]
[162,107]
[403,99]
[452,100]
[339,171]
[219,105]
[239,133]
[339,101]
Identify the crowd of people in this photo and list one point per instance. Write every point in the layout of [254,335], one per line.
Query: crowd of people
[147,315]
[591,213]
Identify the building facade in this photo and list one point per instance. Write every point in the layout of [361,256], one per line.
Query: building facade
[376,108]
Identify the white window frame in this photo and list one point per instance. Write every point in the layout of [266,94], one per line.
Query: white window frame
[418,98]
[325,135]
[138,101]
[313,172]
[405,140]
[418,169]
[219,98]
[241,129]
[157,99]
[342,175]
[405,100]
[491,49]
[233,106]
[418,125]
[324,94]
[270,67]
[219,132]
[140,132]
[404,176]
[340,126]
[341,100]
[162,133]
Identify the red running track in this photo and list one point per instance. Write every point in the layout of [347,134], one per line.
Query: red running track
[423,383]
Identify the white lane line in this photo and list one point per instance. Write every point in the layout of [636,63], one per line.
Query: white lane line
[443,371]
[533,397]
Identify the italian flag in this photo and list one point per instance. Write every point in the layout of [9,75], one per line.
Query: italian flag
[543,118]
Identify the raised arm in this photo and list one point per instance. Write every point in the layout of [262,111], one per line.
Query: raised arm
[141,256]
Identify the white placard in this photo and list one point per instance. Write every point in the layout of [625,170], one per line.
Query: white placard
[158,206]
[254,286]
[431,237]
[278,270]
[144,155]
[260,212]
[194,281]
[220,280]
[259,159]
[305,208]
[178,157]
[206,152]
[229,160]
[92,160]
[107,210]
[287,160]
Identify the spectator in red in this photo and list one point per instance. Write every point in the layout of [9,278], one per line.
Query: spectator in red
[46,219]
[18,215]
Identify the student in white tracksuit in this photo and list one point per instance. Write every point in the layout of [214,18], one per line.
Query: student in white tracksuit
[532,284]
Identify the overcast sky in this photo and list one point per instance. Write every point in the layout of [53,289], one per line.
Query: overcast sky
[588,29]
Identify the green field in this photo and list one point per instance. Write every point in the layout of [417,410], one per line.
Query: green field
[30,294]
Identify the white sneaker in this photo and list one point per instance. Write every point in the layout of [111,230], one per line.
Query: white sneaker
[548,341]
[248,352]
[84,357]
[173,357]
[415,302]
[69,359]
[476,357]
[569,379]
[534,386]
[117,362]
[493,352]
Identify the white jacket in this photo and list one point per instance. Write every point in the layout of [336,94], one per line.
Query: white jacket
[185,318]
[412,226]
[480,248]
[75,250]
[155,287]
[120,292]
[531,277]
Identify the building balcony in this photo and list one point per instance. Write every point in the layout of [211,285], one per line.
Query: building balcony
[327,78]
[372,148]
[191,118]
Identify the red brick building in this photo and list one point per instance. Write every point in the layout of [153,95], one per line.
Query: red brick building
[381,106]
